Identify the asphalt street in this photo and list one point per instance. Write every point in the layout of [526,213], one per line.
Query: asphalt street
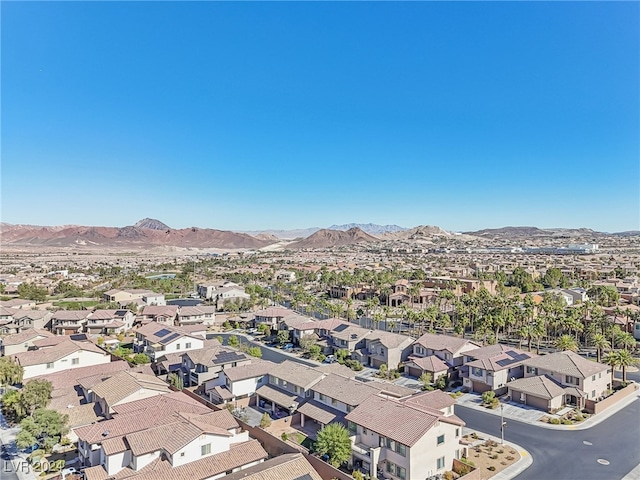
[571,455]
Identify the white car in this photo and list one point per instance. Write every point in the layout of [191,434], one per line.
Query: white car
[67,472]
[330,359]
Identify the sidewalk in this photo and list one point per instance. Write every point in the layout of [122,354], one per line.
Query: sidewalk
[19,461]
[532,416]
[511,471]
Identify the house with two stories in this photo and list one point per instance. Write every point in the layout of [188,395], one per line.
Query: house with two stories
[156,339]
[55,354]
[557,379]
[204,365]
[169,436]
[200,315]
[391,349]
[69,322]
[109,322]
[271,316]
[239,384]
[447,348]
[492,367]
[288,386]
[22,342]
[26,319]
[411,438]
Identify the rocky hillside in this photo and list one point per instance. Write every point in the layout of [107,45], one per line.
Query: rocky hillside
[151,224]
[128,237]
[326,238]
[371,228]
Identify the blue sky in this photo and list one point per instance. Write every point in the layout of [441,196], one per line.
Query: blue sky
[247,116]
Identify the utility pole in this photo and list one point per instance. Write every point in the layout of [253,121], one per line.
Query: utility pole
[502,423]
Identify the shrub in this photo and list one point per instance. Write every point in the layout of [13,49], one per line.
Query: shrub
[474,435]
[503,463]
[284,436]
[265,420]
[462,469]
[488,397]
[510,457]
[566,422]
[554,421]
[492,468]
[500,451]
[579,417]
[494,456]
[448,475]
[100,340]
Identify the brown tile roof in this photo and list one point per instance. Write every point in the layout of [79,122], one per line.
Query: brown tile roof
[70,315]
[290,466]
[429,364]
[443,342]
[435,399]
[163,310]
[47,355]
[322,413]
[254,369]
[296,373]
[403,422]
[541,386]
[25,336]
[501,360]
[126,383]
[216,355]
[346,390]
[276,395]
[273,312]
[567,363]
[74,377]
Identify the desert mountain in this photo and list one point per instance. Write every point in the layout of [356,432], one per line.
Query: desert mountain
[423,232]
[128,237]
[371,228]
[285,234]
[326,238]
[534,232]
[152,224]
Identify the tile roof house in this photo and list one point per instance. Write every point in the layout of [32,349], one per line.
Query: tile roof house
[384,347]
[240,382]
[409,438]
[416,366]
[492,366]
[272,316]
[106,322]
[165,314]
[201,315]
[156,339]
[204,365]
[447,348]
[168,437]
[56,354]
[289,466]
[580,379]
[288,386]
[26,319]
[123,387]
[21,342]
[68,322]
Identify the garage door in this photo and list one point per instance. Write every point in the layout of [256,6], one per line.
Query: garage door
[480,387]
[537,402]
[414,371]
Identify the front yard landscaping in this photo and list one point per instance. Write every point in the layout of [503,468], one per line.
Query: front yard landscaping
[488,456]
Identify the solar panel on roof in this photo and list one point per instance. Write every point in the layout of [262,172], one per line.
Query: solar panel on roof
[227,357]
[162,333]
[170,337]
[340,328]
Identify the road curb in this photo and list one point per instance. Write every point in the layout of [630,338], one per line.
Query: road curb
[526,460]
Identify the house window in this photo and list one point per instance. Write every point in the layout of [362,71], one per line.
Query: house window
[322,398]
[600,375]
[177,346]
[593,394]
[593,378]
[440,439]
[532,370]
[396,470]
[440,463]
[391,444]
[353,428]
[572,380]
[205,449]
[182,454]
[457,432]
[402,449]
[187,345]
[284,383]
[476,371]
[334,402]
[364,431]
[49,365]
[349,408]
[75,361]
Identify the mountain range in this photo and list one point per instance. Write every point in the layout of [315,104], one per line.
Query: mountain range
[150,233]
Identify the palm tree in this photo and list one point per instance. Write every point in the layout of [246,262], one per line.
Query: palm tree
[626,341]
[624,360]
[611,359]
[566,342]
[601,343]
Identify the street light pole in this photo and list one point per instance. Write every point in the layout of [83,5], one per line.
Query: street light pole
[502,423]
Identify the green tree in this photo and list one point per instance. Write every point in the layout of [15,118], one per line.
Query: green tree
[233,341]
[554,278]
[282,337]
[601,343]
[425,380]
[315,351]
[624,359]
[44,428]
[265,420]
[611,359]
[255,352]
[264,329]
[10,371]
[36,394]
[32,292]
[12,405]
[566,342]
[342,355]
[442,382]
[141,359]
[175,380]
[333,440]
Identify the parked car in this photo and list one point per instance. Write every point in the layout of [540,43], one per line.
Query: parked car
[329,359]
[288,346]
[67,472]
